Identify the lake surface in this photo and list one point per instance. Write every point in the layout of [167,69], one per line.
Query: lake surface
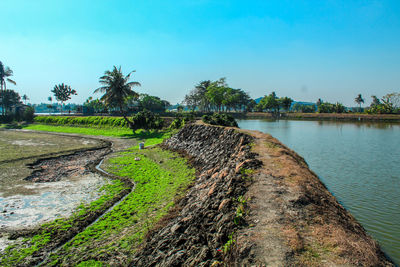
[358,162]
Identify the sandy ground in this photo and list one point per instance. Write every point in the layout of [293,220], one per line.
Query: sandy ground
[54,200]
[26,204]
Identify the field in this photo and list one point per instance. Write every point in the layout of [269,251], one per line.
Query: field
[158,178]
[19,149]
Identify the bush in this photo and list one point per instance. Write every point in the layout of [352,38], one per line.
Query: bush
[147,120]
[220,119]
[6,118]
[92,121]
[181,120]
[29,114]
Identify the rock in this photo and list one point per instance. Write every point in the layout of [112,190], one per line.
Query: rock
[205,220]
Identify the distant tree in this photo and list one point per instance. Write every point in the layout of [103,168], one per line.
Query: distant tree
[331,108]
[319,102]
[339,108]
[152,103]
[375,101]
[116,88]
[50,107]
[297,107]
[8,99]
[63,93]
[25,98]
[251,104]
[359,100]
[269,103]
[216,93]
[197,97]
[391,102]
[326,108]
[5,72]
[285,102]
[95,104]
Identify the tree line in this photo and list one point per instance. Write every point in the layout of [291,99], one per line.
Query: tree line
[209,96]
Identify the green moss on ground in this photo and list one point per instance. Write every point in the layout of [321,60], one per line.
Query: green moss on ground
[160,176]
[17,254]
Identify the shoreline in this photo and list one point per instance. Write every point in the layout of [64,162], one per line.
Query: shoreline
[350,117]
[254,202]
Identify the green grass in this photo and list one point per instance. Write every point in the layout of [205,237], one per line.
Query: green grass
[17,254]
[116,132]
[150,137]
[160,177]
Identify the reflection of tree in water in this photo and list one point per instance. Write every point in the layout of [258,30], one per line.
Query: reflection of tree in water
[359,124]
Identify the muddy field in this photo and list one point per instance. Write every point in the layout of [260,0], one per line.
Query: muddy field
[45,176]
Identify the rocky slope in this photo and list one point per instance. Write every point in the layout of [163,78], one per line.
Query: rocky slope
[255,202]
[206,217]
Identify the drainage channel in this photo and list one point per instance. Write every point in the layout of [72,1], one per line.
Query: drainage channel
[99,169]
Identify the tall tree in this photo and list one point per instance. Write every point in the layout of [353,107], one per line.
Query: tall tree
[5,72]
[285,102]
[63,93]
[25,98]
[116,88]
[216,93]
[269,102]
[197,97]
[9,98]
[359,99]
[375,101]
[153,103]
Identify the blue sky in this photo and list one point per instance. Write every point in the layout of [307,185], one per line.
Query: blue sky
[303,49]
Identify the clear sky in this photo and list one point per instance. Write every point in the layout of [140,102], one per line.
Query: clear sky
[302,49]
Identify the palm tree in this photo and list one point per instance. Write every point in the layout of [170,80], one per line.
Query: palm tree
[359,100]
[63,93]
[116,89]
[5,72]
[25,98]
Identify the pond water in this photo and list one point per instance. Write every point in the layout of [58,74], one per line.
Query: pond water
[358,162]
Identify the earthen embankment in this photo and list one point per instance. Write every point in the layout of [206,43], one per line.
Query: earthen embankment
[255,202]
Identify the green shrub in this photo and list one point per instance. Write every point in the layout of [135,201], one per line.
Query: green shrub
[181,120]
[220,119]
[147,120]
[92,121]
[29,114]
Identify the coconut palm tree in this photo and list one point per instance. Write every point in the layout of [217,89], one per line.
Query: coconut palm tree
[25,98]
[116,89]
[359,100]
[63,93]
[5,72]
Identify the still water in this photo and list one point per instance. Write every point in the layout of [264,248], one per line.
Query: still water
[358,162]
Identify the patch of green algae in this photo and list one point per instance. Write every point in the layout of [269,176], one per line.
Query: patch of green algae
[160,177]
